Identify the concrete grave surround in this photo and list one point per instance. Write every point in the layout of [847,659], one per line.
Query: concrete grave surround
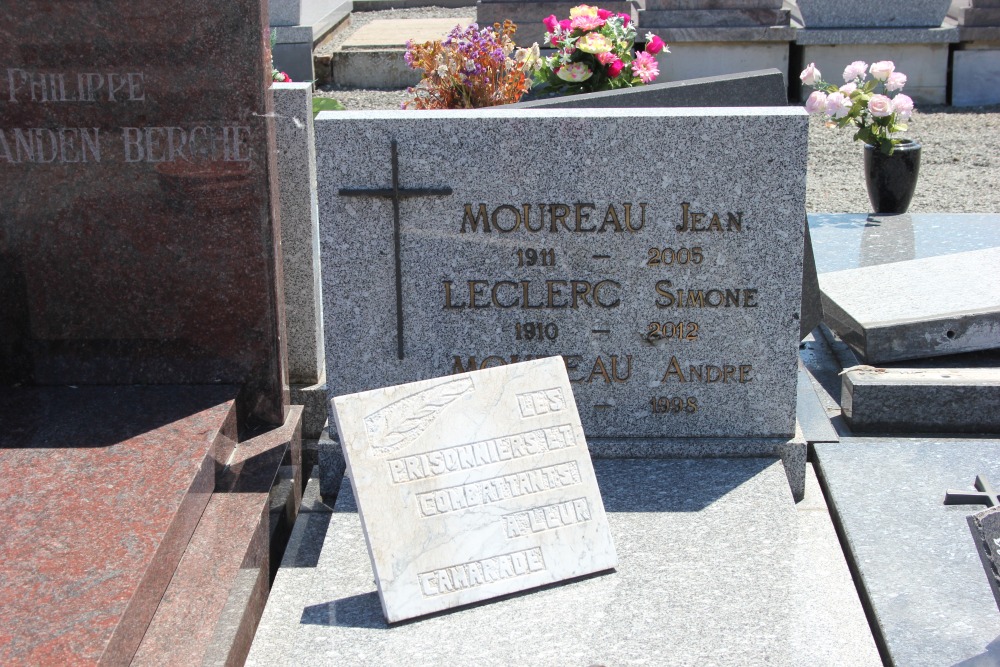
[621,364]
[473,486]
[976,77]
[887,312]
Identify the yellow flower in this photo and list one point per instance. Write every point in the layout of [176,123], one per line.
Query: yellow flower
[594,42]
[583,10]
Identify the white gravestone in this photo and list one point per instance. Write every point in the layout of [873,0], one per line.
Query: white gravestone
[473,486]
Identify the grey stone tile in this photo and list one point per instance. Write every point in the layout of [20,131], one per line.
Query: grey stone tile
[916,559]
[717,567]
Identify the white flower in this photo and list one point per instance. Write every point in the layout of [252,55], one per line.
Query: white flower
[896,81]
[882,69]
[902,105]
[880,106]
[855,70]
[816,102]
[811,75]
[838,105]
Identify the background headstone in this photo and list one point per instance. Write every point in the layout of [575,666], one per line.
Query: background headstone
[473,486]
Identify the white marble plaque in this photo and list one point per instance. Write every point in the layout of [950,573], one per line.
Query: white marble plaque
[473,486]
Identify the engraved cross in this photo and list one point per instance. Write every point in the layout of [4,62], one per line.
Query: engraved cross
[396,193]
[986,495]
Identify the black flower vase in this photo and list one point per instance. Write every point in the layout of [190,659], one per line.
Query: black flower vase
[891,179]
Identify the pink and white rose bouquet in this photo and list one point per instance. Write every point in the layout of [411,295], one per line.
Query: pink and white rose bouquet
[594,52]
[862,102]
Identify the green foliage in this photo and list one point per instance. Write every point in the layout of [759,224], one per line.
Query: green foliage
[326,104]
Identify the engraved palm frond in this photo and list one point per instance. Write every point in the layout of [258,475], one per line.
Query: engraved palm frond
[402,422]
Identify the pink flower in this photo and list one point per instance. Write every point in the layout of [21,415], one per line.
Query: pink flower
[882,69]
[566,25]
[880,106]
[615,68]
[896,81]
[587,22]
[606,58]
[551,23]
[655,44]
[604,14]
[838,105]
[855,70]
[903,106]
[848,88]
[816,102]
[644,66]
[626,19]
[811,75]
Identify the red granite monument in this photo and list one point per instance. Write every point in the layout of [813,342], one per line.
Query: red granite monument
[143,390]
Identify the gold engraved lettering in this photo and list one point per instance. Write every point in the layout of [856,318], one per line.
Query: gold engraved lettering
[554,217]
[478,454]
[695,222]
[514,485]
[613,369]
[529,295]
[708,373]
[546,517]
[481,572]
[671,297]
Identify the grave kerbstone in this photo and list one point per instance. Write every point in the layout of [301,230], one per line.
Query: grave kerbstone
[918,308]
[675,599]
[759,88]
[916,565]
[473,486]
[922,400]
[300,251]
[646,280]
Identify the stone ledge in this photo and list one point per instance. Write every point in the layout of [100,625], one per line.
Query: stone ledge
[836,36]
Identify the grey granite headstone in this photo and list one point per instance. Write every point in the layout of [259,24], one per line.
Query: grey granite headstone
[985,527]
[717,566]
[918,308]
[916,565]
[521,235]
[759,88]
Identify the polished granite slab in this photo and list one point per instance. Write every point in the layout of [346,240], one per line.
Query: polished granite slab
[855,240]
[716,566]
[102,490]
[917,562]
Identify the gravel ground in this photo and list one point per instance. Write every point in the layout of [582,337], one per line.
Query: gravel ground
[959,171]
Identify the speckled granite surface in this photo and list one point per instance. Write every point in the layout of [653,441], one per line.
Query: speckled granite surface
[717,566]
